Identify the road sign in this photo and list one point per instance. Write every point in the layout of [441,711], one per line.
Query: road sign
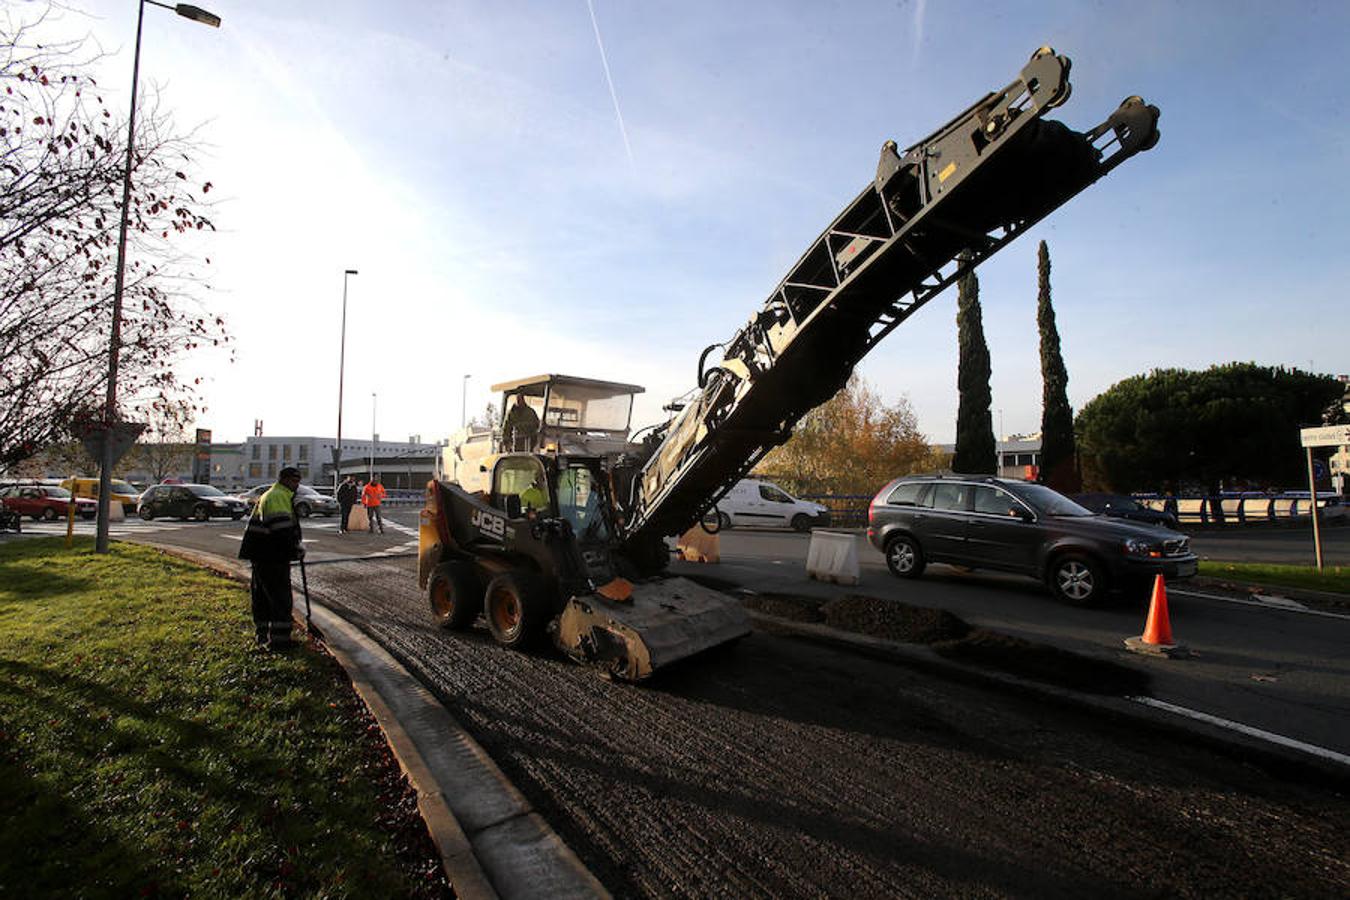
[1326,436]
[124,434]
[201,463]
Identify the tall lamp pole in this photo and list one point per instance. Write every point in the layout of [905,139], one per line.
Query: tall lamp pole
[342,368]
[115,336]
[371,473]
[463,396]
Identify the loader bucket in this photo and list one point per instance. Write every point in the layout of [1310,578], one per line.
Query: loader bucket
[664,620]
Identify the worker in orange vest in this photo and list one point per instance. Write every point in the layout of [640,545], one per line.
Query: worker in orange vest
[371,496]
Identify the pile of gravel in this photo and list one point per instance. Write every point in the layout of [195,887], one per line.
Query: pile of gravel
[893,621]
[954,638]
[793,607]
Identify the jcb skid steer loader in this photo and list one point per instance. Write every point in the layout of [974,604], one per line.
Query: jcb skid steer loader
[535,553]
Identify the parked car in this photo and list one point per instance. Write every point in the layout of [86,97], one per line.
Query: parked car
[122,492]
[1118,506]
[44,502]
[1014,526]
[190,501]
[308,502]
[753,501]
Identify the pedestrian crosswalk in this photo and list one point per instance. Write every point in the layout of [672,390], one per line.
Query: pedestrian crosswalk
[321,536]
[131,528]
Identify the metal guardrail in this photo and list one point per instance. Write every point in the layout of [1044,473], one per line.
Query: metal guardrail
[846,510]
[850,510]
[1229,509]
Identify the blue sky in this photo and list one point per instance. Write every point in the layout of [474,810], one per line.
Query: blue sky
[467,158]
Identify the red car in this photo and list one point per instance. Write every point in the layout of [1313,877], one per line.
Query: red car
[45,502]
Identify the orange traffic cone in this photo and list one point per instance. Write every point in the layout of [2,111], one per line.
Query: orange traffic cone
[1157,636]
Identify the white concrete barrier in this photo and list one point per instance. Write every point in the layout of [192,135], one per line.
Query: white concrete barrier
[833,556]
[115,511]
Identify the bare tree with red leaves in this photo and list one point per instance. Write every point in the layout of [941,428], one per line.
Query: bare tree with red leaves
[62,153]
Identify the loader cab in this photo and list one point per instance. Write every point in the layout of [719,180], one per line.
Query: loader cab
[566,488]
[520,484]
[565,499]
[581,502]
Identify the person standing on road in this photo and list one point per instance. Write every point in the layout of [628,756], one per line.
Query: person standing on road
[271,542]
[346,498]
[371,498]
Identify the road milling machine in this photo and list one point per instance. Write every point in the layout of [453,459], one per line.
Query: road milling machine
[555,522]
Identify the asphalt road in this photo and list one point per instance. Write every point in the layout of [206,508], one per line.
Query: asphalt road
[1278,669]
[1261,663]
[780,768]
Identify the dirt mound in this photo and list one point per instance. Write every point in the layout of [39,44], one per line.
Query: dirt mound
[954,638]
[893,621]
[793,607]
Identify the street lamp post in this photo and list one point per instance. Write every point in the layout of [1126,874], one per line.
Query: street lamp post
[342,368]
[115,335]
[463,396]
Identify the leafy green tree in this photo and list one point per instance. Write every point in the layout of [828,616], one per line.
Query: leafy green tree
[851,444]
[1176,428]
[1058,458]
[976,452]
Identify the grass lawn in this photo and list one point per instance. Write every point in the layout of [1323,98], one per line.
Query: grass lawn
[147,749]
[1335,579]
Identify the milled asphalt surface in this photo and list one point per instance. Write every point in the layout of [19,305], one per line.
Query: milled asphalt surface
[492,840]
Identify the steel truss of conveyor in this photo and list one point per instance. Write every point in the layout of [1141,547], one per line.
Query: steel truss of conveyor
[929,216]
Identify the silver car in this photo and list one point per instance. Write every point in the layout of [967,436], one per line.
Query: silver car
[308,502]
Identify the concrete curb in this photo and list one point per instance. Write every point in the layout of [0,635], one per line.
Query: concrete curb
[491,841]
[1286,761]
[1293,593]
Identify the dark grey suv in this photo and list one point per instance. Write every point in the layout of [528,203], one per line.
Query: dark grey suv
[1015,526]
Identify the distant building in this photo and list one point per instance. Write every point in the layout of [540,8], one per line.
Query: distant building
[260,458]
[1018,457]
[257,460]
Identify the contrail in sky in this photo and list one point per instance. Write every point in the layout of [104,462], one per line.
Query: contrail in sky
[608,78]
[920,8]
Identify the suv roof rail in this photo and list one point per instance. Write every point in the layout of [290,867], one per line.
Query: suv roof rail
[962,475]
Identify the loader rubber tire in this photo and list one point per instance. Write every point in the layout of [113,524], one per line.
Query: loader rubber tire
[455,595]
[517,613]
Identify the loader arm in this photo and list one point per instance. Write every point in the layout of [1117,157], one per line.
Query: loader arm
[930,214]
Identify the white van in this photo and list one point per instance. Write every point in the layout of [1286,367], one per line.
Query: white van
[756,502]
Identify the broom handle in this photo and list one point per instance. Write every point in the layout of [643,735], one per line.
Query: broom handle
[304,583]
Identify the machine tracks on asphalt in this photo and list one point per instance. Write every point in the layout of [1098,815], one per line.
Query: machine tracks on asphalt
[782,769]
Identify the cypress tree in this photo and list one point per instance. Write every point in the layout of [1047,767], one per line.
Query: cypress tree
[976,453]
[1058,463]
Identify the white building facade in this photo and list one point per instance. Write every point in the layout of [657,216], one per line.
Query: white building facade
[259,459]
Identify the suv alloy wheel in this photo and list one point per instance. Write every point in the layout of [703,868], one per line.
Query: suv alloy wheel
[903,557]
[1077,579]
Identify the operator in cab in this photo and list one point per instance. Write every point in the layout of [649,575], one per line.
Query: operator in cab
[534,498]
[521,428]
